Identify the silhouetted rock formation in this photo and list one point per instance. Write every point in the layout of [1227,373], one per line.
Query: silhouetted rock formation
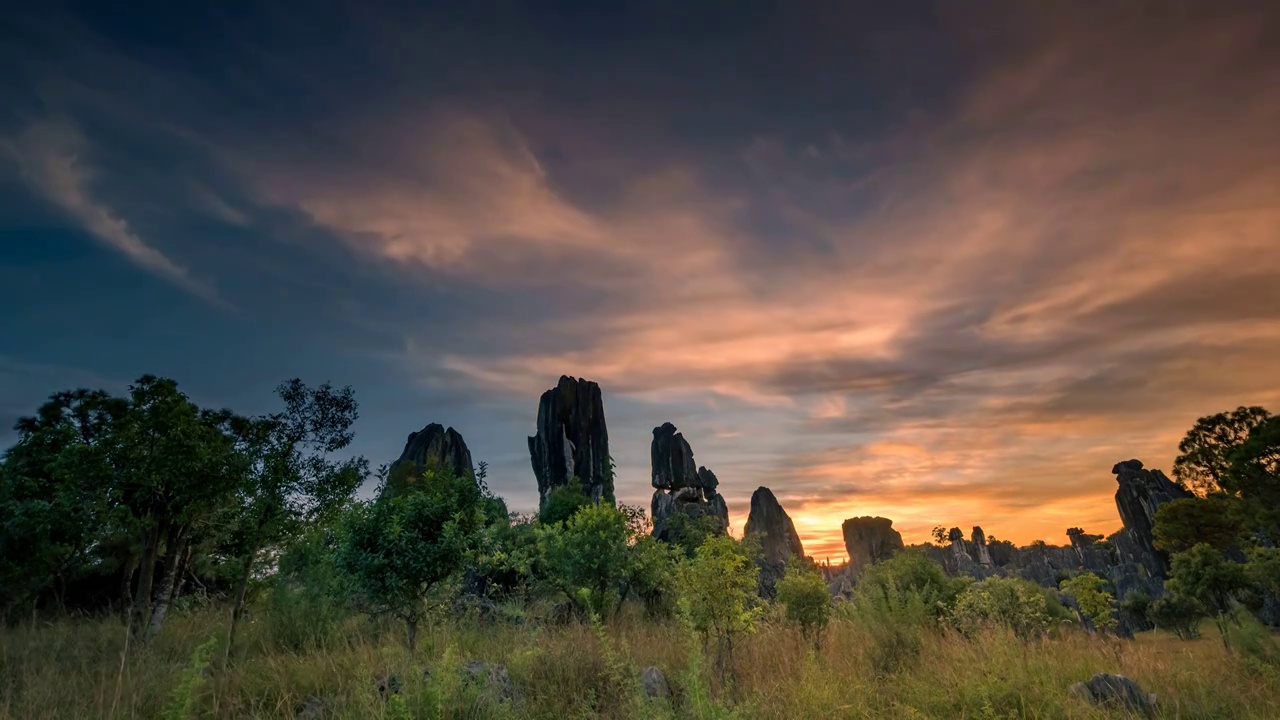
[1140,494]
[868,540]
[432,447]
[572,440]
[981,554]
[779,541]
[679,487]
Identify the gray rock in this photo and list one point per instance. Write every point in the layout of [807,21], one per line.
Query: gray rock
[492,676]
[432,447]
[981,554]
[1140,494]
[654,683]
[1116,691]
[572,440]
[679,485]
[868,540]
[314,708]
[779,541]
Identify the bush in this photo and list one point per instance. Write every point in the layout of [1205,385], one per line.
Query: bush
[1014,603]
[1178,614]
[911,573]
[718,594]
[896,620]
[587,557]
[650,577]
[804,593]
[563,502]
[1091,596]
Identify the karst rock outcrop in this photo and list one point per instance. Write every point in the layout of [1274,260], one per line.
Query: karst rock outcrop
[779,542]
[432,447]
[680,486]
[572,440]
[868,540]
[1140,494]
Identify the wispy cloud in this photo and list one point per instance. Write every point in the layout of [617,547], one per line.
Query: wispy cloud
[51,157]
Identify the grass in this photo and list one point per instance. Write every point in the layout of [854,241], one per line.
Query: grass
[72,669]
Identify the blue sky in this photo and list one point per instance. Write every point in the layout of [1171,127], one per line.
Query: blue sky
[941,264]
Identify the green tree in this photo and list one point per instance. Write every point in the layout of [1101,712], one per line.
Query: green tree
[1214,520]
[717,589]
[399,552]
[563,502]
[288,475]
[1177,613]
[173,470]
[650,578]
[1202,573]
[1254,475]
[54,509]
[1091,596]
[808,601]
[1203,462]
[587,557]
[687,533]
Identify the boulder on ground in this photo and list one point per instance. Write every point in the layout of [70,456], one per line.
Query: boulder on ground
[492,676]
[314,708]
[654,683]
[1116,691]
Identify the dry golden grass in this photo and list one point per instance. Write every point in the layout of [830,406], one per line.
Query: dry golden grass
[73,669]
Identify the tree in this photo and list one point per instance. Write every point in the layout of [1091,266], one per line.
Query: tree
[940,535]
[1177,613]
[1253,474]
[1091,596]
[911,573]
[398,552]
[717,590]
[587,557]
[650,576]
[687,533]
[1203,463]
[1202,573]
[173,469]
[562,502]
[1214,520]
[288,477]
[808,601]
[53,502]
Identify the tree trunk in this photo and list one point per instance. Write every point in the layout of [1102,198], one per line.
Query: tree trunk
[126,585]
[411,630]
[139,612]
[184,567]
[237,608]
[177,545]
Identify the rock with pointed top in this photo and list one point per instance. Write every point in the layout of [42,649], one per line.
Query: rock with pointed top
[572,441]
[432,447]
[779,541]
[978,540]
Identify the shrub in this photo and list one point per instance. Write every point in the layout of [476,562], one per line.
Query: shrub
[587,557]
[895,621]
[808,602]
[717,590]
[650,577]
[1091,596]
[911,573]
[1017,604]
[563,502]
[1178,614]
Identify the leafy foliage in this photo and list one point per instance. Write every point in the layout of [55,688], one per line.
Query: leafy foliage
[399,552]
[587,557]
[1203,464]
[563,502]
[1091,595]
[1214,520]
[1014,603]
[1178,613]
[911,573]
[808,602]
[718,595]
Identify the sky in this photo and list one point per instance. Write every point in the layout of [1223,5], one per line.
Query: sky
[940,262]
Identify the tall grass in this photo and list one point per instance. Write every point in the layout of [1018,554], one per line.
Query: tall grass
[71,669]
